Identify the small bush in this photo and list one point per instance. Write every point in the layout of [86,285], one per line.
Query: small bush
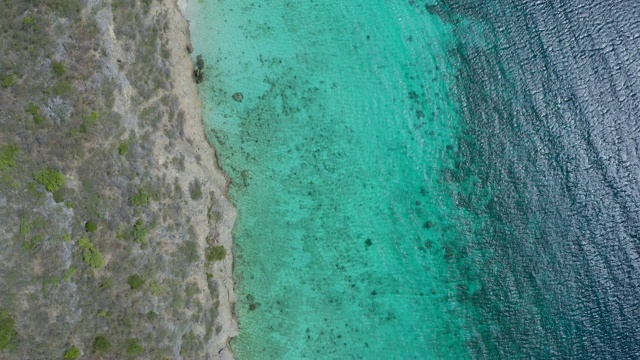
[190,251]
[61,87]
[101,344]
[195,190]
[216,253]
[70,273]
[191,345]
[135,282]
[34,110]
[67,8]
[58,195]
[28,22]
[108,283]
[123,148]
[191,290]
[59,68]
[142,198]
[134,347]
[7,81]
[8,155]
[73,353]
[8,333]
[25,227]
[33,243]
[91,226]
[90,122]
[141,232]
[156,289]
[146,5]
[91,256]
[50,178]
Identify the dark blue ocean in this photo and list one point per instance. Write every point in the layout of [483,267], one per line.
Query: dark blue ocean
[550,98]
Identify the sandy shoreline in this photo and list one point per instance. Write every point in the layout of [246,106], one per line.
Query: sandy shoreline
[214,181]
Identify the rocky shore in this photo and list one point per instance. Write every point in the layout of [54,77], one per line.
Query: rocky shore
[217,184]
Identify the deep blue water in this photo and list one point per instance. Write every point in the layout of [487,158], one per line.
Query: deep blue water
[551,108]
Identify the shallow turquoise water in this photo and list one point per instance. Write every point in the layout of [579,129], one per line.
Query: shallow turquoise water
[422,180]
[349,243]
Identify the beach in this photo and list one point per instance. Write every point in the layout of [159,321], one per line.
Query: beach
[215,182]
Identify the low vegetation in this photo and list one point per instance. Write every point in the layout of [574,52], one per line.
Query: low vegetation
[72,354]
[123,149]
[135,348]
[195,190]
[136,282]
[94,236]
[8,333]
[91,256]
[8,156]
[51,179]
[216,253]
[101,344]
[91,226]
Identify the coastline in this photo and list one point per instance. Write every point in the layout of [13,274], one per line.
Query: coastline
[215,181]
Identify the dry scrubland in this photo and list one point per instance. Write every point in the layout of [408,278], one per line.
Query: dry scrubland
[111,212]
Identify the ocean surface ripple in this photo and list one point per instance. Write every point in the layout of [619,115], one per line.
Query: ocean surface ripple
[552,113]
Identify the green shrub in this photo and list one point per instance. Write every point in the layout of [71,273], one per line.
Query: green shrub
[191,345]
[8,333]
[156,289]
[134,347]
[91,256]
[146,5]
[25,227]
[101,344]
[190,251]
[135,282]
[67,8]
[216,253]
[50,178]
[191,290]
[59,68]
[7,81]
[91,226]
[61,87]
[108,283]
[58,195]
[70,273]
[34,110]
[195,190]
[141,198]
[123,148]
[90,122]
[28,21]
[141,232]
[8,155]
[73,353]
[33,243]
